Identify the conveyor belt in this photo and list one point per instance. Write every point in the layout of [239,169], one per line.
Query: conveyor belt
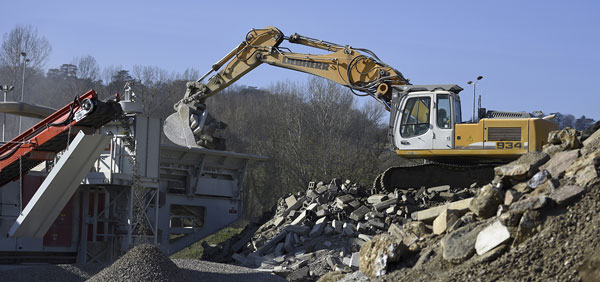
[51,135]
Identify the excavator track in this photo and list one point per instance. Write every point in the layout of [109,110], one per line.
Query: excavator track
[433,174]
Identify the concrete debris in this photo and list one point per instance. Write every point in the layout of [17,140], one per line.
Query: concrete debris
[491,237]
[335,227]
[485,204]
[432,213]
[524,167]
[446,219]
[376,254]
[560,162]
[459,245]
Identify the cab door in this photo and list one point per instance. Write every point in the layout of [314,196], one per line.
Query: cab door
[443,125]
[413,129]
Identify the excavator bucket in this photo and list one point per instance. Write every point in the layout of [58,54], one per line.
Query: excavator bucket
[194,127]
[177,127]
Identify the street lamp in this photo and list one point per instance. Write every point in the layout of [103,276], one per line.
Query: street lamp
[25,61]
[5,89]
[474,87]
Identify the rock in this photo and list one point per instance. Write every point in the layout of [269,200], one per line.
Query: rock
[431,213]
[344,199]
[332,276]
[592,143]
[417,227]
[354,204]
[551,150]
[560,162]
[459,245]
[566,194]
[511,196]
[385,204]
[390,210]
[446,219]
[376,199]
[529,225]
[424,258]
[397,231]
[584,170]
[553,137]
[522,188]
[538,179]
[365,237]
[375,255]
[328,230]
[359,214]
[491,237]
[279,248]
[569,138]
[510,218]
[530,203]
[485,204]
[524,167]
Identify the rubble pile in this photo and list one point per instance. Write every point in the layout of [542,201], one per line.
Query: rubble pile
[341,228]
[144,262]
[323,228]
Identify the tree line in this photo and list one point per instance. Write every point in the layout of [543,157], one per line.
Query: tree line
[314,130]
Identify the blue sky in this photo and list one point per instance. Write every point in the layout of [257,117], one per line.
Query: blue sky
[534,55]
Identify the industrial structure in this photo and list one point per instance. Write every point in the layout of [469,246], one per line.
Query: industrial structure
[95,178]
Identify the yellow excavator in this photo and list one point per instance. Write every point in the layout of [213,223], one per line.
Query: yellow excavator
[425,120]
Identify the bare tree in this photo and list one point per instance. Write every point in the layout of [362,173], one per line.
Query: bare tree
[24,39]
[87,67]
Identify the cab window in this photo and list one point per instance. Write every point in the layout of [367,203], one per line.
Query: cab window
[443,111]
[415,117]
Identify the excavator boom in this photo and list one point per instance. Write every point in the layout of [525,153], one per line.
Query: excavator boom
[358,69]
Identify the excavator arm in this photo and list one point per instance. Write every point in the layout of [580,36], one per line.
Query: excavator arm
[358,69]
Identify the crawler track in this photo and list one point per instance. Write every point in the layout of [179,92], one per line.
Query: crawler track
[433,174]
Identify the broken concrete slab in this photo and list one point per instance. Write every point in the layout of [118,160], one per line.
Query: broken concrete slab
[566,194]
[431,213]
[377,223]
[560,162]
[511,196]
[385,204]
[375,255]
[272,243]
[344,199]
[359,213]
[376,199]
[290,201]
[300,218]
[443,188]
[446,219]
[491,237]
[524,167]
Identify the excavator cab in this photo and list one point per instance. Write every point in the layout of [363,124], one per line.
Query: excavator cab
[424,116]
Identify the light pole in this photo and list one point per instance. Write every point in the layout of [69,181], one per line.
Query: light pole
[25,61]
[5,89]
[474,87]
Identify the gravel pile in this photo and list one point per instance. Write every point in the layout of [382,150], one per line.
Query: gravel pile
[144,262]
